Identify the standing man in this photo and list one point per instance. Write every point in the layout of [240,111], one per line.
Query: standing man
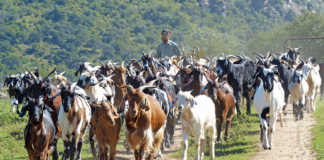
[167,47]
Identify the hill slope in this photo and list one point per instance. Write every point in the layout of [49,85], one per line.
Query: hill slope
[45,33]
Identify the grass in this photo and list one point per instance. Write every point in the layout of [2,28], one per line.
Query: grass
[12,136]
[242,144]
[318,132]
[244,137]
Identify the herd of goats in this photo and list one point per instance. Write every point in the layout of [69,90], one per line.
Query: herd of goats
[150,95]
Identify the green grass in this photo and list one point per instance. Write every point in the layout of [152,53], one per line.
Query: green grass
[12,136]
[242,144]
[318,132]
[244,136]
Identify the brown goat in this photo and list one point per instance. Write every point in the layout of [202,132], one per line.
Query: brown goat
[39,133]
[119,79]
[145,121]
[107,126]
[222,95]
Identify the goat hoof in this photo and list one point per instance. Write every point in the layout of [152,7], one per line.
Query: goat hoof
[226,138]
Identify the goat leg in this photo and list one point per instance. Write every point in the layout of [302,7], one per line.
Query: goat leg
[280,119]
[248,105]
[112,151]
[72,147]
[237,105]
[55,155]
[79,149]
[228,124]
[66,153]
[219,130]
[92,143]
[186,145]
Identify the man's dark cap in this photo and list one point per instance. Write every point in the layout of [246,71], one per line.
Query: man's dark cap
[165,31]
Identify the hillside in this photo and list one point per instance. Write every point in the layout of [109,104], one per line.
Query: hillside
[45,33]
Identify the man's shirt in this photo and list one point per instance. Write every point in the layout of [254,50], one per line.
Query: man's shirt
[169,49]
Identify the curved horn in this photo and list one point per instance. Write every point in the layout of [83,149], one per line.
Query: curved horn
[259,55]
[148,85]
[33,75]
[49,73]
[231,56]
[61,74]
[108,79]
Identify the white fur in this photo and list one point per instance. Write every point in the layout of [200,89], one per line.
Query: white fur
[314,82]
[203,110]
[298,91]
[74,127]
[275,101]
[14,103]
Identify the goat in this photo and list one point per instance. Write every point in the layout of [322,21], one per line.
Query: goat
[240,77]
[74,117]
[198,115]
[145,123]
[40,132]
[298,90]
[313,78]
[268,100]
[223,97]
[107,126]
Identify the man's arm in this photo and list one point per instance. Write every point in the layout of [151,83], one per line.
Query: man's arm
[177,50]
[158,51]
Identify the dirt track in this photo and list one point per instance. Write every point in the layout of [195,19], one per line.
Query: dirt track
[292,142]
[167,154]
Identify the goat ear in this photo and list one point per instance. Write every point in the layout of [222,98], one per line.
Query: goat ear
[129,88]
[297,49]
[145,105]
[300,66]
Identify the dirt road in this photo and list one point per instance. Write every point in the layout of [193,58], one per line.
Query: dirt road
[292,142]
[167,154]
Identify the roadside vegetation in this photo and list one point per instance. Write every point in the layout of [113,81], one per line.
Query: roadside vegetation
[12,136]
[318,131]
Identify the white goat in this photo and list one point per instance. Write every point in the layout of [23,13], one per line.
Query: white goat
[94,88]
[269,101]
[197,116]
[298,88]
[313,78]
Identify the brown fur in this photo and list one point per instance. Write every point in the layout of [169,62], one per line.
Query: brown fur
[119,79]
[194,86]
[107,126]
[55,104]
[37,145]
[225,105]
[144,113]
